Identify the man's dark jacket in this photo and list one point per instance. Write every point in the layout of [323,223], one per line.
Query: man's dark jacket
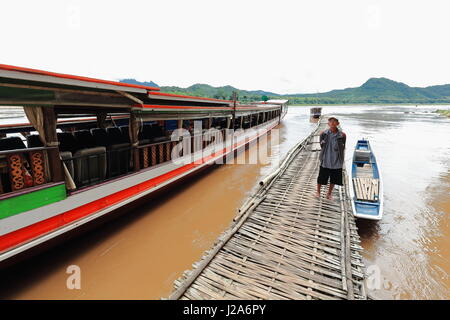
[324,136]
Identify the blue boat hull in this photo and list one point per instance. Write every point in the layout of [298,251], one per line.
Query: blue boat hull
[367,204]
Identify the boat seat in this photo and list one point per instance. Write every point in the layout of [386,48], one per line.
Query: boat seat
[362,155]
[157,130]
[90,167]
[34,141]
[146,131]
[67,147]
[125,131]
[119,156]
[119,153]
[101,137]
[11,143]
[157,134]
[67,142]
[145,134]
[115,134]
[84,139]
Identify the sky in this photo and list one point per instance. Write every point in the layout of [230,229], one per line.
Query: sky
[280,46]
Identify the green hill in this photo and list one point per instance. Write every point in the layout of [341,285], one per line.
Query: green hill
[379,90]
[374,90]
[205,90]
[134,81]
[225,92]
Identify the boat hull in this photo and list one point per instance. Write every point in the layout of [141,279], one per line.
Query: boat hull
[37,228]
[362,209]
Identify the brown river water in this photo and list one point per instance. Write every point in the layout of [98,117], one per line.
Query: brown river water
[140,254]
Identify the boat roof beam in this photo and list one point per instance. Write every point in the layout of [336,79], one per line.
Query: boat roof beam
[131,97]
[180,116]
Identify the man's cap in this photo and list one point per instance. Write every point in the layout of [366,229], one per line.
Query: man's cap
[333,118]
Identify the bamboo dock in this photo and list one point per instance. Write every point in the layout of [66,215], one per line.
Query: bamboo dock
[284,243]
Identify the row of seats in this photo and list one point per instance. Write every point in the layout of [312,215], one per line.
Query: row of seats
[11,143]
[99,137]
[95,154]
[151,133]
[82,139]
[92,155]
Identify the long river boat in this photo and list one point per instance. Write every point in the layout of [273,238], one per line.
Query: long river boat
[89,147]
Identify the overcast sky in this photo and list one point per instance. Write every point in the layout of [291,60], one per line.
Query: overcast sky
[280,46]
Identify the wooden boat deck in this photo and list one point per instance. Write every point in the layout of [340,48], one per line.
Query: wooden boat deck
[285,244]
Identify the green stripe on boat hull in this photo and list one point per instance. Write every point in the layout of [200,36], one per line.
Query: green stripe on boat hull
[32,200]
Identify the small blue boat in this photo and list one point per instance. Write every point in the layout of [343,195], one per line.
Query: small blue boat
[366,189]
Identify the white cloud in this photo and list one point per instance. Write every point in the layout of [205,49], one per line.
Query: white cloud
[281,46]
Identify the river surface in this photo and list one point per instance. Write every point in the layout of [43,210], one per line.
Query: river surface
[141,253]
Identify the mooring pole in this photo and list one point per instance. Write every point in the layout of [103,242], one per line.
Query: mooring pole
[234,96]
[234,108]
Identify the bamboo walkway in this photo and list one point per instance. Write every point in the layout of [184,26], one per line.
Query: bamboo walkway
[284,243]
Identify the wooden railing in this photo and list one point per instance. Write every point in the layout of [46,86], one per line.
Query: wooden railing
[160,152]
[155,153]
[23,168]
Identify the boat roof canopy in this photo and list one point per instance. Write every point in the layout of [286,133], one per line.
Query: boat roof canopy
[177,97]
[35,75]
[277,101]
[71,95]
[160,112]
[24,86]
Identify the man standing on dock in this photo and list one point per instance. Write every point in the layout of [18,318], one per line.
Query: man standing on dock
[332,142]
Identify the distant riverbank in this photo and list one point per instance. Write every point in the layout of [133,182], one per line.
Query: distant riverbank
[375,91]
[444,112]
[374,105]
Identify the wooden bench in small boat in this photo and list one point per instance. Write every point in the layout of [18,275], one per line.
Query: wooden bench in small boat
[366,188]
[366,171]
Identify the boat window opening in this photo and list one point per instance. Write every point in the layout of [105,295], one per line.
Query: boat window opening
[219,123]
[97,150]
[99,155]
[240,123]
[247,122]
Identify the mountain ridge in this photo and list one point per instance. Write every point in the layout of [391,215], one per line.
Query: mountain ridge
[374,90]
